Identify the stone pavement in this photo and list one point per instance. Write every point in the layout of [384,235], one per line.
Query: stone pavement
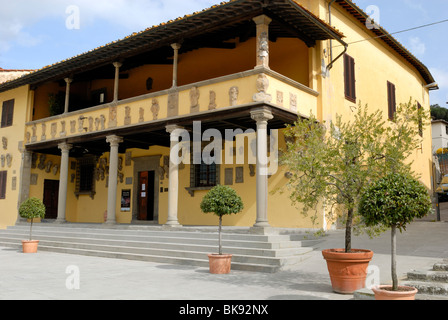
[51,276]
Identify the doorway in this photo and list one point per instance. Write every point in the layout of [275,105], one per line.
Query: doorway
[51,197]
[146,182]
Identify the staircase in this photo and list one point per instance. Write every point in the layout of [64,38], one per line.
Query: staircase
[178,245]
[431,284]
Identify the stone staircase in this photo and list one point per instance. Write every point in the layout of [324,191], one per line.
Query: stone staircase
[176,245]
[431,284]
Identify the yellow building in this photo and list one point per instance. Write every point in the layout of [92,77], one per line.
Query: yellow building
[92,135]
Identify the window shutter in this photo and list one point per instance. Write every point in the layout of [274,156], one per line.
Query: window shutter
[10,113]
[349,78]
[7,113]
[391,100]
[3,184]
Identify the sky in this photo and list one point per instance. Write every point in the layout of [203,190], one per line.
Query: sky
[37,33]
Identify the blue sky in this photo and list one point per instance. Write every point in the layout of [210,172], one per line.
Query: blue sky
[36,33]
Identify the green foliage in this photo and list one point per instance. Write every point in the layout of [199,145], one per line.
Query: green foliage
[221,200]
[439,113]
[394,200]
[333,163]
[32,208]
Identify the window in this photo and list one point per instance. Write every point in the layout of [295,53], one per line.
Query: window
[392,105]
[3,184]
[85,176]
[205,175]
[349,78]
[7,113]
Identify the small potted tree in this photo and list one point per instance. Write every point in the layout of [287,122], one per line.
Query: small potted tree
[394,201]
[31,209]
[332,163]
[221,200]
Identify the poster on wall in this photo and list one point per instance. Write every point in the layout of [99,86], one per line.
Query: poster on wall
[125,200]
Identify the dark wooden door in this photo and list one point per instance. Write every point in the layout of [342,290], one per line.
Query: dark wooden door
[51,196]
[146,195]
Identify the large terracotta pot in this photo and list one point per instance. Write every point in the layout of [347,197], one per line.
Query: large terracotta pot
[403,293]
[348,271]
[219,263]
[29,246]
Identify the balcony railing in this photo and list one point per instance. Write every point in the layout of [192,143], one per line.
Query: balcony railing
[258,85]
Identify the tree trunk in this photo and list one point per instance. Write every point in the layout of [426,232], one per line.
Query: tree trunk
[220,224]
[393,259]
[348,231]
[31,228]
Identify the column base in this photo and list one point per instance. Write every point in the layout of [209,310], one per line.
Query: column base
[263,230]
[60,221]
[172,224]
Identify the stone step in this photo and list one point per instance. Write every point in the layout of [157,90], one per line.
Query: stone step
[428,276]
[429,288]
[123,233]
[151,237]
[251,252]
[441,266]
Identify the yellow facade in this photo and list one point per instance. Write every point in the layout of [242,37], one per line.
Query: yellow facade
[297,83]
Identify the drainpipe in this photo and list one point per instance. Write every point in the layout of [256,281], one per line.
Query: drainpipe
[339,40]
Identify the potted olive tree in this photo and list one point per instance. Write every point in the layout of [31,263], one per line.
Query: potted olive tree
[332,163]
[31,209]
[394,201]
[221,200]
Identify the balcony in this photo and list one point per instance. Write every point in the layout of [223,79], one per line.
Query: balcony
[231,92]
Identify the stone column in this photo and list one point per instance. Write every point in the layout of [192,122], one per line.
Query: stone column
[114,141]
[261,116]
[117,66]
[25,178]
[262,23]
[173,183]
[68,81]
[176,47]
[63,181]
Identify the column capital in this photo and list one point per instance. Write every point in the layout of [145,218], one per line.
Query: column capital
[114,140]
[176,46]
[263,19]
[65,147]
[171,127]
[117,64]
[68,80]
[261,115]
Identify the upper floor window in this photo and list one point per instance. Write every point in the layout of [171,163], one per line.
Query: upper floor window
[349,78]
[392,105]
[420,120]
[3,184]
[7,113]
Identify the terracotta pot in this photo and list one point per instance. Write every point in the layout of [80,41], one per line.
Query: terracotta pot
[403,293]
[219,263]
[29,246]
[348,271]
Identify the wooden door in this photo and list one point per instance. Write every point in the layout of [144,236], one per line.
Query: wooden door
[146,195]
[51,196]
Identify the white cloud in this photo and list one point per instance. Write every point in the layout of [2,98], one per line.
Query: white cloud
[417,47]
[132,15]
